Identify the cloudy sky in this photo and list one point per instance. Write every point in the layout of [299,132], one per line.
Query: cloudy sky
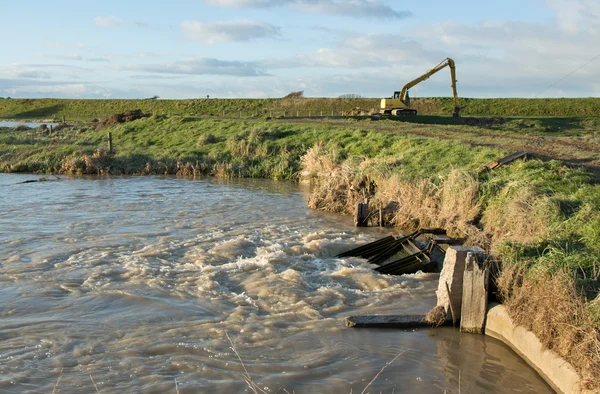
[268,48]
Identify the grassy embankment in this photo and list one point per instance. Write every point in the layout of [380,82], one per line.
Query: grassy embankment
[541,218]
[86,110]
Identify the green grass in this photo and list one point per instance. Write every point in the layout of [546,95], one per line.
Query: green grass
[86,110]
[243,148]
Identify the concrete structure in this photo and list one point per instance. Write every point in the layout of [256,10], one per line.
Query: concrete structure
[452,275]
[555,370]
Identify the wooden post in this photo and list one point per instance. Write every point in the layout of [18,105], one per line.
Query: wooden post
[50,129]
[64,119]
[452,310]
[380,216]
[240,114]
[110,142]
[475,296]
[361,215]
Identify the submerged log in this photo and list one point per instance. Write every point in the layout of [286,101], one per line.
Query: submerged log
[390,321]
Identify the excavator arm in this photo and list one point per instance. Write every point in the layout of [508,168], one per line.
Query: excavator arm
[404,96]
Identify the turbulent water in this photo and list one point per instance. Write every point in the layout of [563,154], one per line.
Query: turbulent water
[132,285]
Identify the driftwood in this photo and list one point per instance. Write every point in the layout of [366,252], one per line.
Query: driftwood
[39,180]
[390,321]
[505,160]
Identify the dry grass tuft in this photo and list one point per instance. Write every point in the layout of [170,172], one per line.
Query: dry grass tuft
[550,306]
[437,316]
[453,204]
[336,187]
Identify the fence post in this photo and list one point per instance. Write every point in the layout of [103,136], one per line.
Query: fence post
[361,214]
[240,114]
[110,142]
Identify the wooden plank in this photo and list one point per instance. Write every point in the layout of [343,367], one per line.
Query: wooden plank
[475,297]
[505,160]
[389,321]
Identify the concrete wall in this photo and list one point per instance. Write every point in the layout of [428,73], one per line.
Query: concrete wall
[555,370]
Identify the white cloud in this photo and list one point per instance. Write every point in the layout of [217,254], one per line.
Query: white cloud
[574,16]
[32,74]
[353,8]
[97,59]
[73,56]
[368,51]
[108,21]
[202,66]
[236,30]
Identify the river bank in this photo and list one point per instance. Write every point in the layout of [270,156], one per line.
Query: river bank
[540,217]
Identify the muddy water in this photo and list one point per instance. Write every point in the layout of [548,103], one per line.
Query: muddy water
[28,124]
[130,284]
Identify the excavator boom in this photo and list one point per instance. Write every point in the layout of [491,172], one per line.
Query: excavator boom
[400,103]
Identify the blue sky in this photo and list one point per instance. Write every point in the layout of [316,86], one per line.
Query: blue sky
[268,48]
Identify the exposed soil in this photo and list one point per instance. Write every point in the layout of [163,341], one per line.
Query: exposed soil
[124,117]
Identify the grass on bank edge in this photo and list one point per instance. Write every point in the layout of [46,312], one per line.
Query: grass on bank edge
[224,148]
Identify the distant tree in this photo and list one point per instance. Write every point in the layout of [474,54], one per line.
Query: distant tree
[350,96]
[295,95]
[152,98]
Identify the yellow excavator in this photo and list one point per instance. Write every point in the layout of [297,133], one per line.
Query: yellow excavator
[399,104]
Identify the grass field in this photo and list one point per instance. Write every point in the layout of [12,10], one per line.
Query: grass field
[87,110]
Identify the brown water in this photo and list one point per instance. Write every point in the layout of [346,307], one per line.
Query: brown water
[133,282]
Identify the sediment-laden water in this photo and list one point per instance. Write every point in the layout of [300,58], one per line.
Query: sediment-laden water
[131,284]
[28,124]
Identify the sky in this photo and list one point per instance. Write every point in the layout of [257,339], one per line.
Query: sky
[326,48]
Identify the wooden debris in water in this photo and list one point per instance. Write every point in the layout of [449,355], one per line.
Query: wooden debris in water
[412,254]
[390,321]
